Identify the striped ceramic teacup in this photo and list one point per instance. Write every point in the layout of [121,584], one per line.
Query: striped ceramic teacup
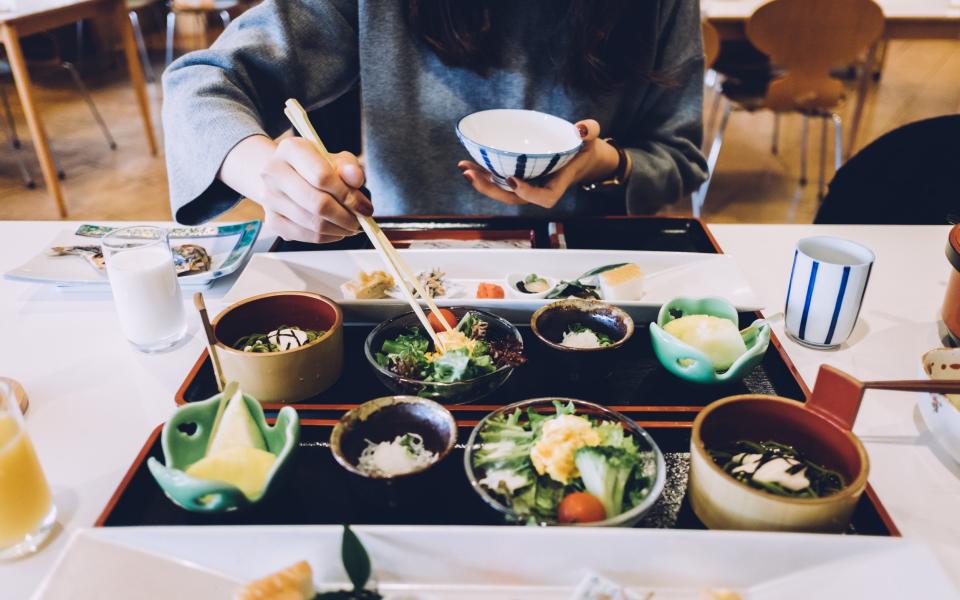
[827,282]
[524,144]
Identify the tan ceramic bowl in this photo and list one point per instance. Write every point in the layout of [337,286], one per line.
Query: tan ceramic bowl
[722,502]
[289,376]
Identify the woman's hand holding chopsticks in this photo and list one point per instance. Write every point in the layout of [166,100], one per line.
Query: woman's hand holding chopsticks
[303,196]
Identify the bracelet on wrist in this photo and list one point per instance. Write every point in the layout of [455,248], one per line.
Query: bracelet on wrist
[620,174]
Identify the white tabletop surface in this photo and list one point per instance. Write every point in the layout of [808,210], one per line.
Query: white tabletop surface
[94,400]
[893,9]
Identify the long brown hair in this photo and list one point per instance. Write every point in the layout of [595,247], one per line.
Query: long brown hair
[599,54]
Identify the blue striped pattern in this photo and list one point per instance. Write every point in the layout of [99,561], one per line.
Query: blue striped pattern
[486,160]
[864,292]
[836,307]
[807,300]
[551,164]
[521,166]
[793,268]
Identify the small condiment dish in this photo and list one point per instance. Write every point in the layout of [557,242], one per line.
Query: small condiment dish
[185,439]
[513,279]
[382,420]
[525,144]
[691,364]
[288,376]
[940,412]
[820,429]
[550,322]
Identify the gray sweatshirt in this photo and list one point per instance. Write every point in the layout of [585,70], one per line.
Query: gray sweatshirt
[317,50]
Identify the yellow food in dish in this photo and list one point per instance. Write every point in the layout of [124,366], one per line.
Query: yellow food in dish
[368,286]
[559,440]
[719,339]
[246,468]
[622,284]
[293,583]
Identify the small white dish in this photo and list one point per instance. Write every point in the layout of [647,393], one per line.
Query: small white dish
[524,144]
[513,279]
[940,413]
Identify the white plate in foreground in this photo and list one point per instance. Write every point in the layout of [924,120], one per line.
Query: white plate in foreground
[443,563]
[666,276]
[229,247]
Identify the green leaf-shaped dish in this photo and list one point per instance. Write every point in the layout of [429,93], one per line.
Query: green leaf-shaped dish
[181,449]
[689,363]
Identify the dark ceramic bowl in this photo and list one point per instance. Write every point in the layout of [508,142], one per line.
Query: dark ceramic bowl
[447,393]
[382,420]
[550,322]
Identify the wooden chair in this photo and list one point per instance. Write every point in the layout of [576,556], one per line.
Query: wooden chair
[198,10]
[806,39]
[54,60]
[133,8]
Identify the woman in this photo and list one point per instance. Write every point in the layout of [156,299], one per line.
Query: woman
[630,69]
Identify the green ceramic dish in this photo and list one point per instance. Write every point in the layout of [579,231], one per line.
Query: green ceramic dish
[690,364]
[180,450]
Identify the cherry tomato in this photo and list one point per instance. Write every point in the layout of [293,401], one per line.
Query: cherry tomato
[448,316]
[580,507]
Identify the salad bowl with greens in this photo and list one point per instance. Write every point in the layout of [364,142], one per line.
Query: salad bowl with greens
[558,461]
[485,351]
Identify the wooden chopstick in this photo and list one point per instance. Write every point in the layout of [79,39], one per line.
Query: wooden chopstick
[398,269]
[919,385]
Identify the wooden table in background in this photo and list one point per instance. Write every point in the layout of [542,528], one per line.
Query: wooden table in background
[905,20]
[36,16]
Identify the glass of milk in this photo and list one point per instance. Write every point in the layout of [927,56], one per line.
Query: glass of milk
[145,287]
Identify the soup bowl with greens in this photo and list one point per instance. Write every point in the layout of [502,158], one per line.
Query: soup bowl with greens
[482,352]
[768,463]
[281,346]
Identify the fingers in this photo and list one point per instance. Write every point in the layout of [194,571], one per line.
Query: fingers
[308,206]
[479,178]
[351,173]
[589,129]
[340,181]
[546,196]
[289,230]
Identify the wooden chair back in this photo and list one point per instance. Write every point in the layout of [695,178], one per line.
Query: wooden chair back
[808,38]
[711,43]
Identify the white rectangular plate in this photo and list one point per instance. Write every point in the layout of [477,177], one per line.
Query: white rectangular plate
[666,276]
[443,563]
[229,246]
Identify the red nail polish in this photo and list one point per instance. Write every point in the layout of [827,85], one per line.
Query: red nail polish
[512,183]
[583,130]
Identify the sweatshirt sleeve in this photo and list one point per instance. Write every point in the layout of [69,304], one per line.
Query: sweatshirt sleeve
[664,138]
[215,98]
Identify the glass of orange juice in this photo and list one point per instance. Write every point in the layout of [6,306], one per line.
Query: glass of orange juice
[27,513]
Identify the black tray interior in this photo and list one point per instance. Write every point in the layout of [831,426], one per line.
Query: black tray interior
[317,490]
[638,378]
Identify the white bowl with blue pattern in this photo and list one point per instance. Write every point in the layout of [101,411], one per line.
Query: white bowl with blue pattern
[525,144]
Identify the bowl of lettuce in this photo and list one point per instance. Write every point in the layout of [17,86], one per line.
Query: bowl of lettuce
[404,359]
[559,461]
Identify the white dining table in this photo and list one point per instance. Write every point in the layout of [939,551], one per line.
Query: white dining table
[94,400]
